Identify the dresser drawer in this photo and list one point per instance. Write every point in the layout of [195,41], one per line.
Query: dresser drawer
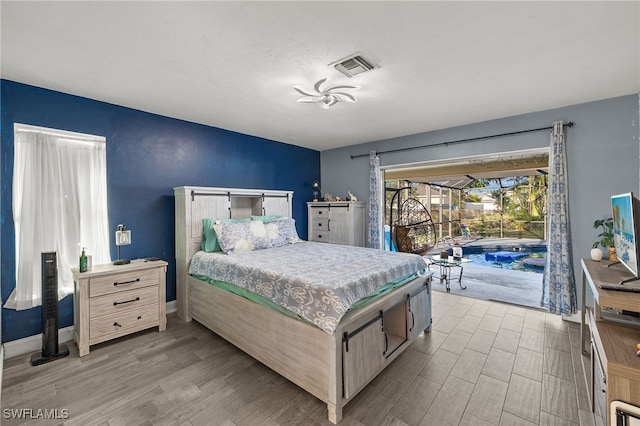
[320,224]
[319,212]
[320,236]
[125,322]
[122,301]
[122,281]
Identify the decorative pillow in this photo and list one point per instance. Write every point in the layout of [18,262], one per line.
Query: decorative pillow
[268,218]
[286,231]
[209,241]
[242,236]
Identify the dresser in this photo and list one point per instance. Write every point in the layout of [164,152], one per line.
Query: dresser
[609,339]
[340,222]
[111,301]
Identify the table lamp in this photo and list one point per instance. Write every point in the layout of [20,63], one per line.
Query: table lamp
[316,190]
[123,238]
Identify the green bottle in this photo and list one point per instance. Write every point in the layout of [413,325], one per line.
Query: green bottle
[83,261]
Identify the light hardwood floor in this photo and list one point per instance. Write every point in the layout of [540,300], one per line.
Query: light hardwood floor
[484,363]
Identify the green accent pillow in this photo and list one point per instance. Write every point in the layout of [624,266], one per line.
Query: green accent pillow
[209,241]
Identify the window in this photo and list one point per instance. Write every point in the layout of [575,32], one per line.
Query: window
[59,204]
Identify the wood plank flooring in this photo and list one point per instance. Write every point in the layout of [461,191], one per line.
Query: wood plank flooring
[484,363]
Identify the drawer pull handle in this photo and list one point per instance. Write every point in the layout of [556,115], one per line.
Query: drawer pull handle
[115,324]
[126,301]
[127,282]
[139,317]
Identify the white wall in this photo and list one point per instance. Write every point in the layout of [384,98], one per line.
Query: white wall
[603,156]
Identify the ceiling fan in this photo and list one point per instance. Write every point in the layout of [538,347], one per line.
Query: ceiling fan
[325,94]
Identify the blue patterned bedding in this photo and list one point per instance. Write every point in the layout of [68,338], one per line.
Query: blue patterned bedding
[317,281]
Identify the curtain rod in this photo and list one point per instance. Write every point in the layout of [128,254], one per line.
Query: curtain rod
[569,124]
[18,127]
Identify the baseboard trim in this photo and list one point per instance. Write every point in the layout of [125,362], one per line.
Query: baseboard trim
[577,317]
[33,343]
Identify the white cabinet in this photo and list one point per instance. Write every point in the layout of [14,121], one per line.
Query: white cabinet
[341,222]
[115,300]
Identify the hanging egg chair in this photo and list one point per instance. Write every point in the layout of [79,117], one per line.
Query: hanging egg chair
[412,229]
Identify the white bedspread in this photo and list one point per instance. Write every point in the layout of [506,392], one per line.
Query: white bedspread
[317,281]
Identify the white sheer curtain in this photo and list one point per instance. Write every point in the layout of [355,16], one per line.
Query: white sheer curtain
[59,204]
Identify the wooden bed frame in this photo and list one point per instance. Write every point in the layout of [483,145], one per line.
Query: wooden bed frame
[333,368]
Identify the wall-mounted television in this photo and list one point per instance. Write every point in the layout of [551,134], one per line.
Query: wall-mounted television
[625,231]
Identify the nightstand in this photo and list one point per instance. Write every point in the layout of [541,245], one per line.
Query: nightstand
[111,301]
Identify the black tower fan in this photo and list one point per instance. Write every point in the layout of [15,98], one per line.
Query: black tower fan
[50,349]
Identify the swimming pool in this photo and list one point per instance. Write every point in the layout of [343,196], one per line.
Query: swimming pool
[534,262]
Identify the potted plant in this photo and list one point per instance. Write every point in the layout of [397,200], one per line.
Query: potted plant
[605,239]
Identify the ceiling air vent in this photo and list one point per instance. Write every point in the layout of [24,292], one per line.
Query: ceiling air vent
[354,66]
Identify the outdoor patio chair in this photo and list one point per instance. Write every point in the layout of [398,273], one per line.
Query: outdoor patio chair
[447,240]
[465,232]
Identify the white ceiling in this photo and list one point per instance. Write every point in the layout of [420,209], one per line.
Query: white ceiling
[233,64]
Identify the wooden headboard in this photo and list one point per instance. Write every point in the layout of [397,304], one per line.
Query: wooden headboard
[194,203]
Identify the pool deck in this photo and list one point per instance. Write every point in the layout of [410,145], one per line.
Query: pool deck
[501,285]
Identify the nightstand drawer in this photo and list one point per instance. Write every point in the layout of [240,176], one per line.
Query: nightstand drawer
[122,323]
[122,281]
[122,301]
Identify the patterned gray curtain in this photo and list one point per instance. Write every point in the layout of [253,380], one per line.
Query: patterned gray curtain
[558,282]
[375,218]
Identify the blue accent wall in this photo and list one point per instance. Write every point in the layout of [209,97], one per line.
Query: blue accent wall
[147,156]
